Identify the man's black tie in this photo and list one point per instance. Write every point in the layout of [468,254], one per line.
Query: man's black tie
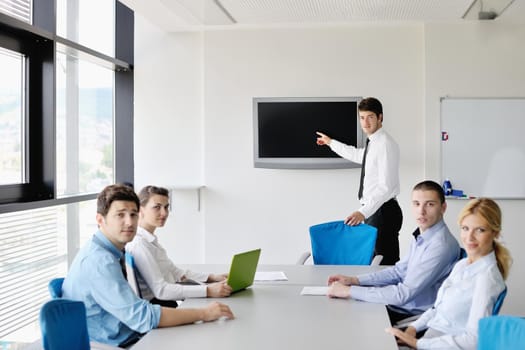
[361,180]
[122,262]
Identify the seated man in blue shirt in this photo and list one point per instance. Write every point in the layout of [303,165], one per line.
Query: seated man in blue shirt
[410,286]
[115,315]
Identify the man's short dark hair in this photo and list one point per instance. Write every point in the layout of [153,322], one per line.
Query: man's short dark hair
[429,185]
[116,192]
[148,191]
[371,104]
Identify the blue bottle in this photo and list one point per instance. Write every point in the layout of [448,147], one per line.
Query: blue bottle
[447,187]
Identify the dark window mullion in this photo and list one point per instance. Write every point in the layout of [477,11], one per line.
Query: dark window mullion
[40,122]
[124,82]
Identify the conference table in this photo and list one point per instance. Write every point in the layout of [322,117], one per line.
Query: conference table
[274,315]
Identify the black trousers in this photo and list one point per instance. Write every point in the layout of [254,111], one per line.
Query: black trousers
[388,220]
[166,303]
[396,316]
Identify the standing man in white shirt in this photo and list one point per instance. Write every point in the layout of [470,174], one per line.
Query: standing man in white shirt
[379,183]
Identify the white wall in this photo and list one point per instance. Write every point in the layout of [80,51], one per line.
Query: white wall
[193,113]
[272,209]
[168,128]
[480,59]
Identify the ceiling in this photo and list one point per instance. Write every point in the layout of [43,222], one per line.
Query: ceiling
[183,15]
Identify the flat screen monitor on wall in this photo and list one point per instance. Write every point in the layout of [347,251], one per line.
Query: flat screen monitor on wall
[285,131]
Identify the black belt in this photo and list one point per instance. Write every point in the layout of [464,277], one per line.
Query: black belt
[393,199]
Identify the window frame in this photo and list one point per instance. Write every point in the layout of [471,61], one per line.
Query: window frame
[39,42]
[39,111]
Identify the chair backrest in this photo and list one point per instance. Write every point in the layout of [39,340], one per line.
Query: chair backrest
[131,271]
[334,243]
[501,332]
[55,287]
[63,325]
[499,302]
[462,253]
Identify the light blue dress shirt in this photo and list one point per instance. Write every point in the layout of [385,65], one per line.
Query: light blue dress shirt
[114,313]
[411,285]
[467,295]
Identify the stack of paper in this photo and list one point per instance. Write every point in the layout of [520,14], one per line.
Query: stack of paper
[315,290]
[270,276]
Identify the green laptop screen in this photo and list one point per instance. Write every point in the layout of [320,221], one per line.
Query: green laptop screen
[242,269]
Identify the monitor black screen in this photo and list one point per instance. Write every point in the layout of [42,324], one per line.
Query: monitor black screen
[285,131]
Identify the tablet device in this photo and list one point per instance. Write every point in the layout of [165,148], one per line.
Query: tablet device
[242,269]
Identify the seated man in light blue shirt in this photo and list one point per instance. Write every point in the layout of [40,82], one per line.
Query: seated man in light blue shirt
[115,315]
[410,286]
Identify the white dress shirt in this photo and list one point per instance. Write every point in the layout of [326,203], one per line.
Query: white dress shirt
[466,296]
[381,182]
[158,276]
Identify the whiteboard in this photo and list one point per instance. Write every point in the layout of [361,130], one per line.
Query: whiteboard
[483,146]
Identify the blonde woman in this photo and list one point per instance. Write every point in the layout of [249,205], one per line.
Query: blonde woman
[469,293]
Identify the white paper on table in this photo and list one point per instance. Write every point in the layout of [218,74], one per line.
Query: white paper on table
[270,276]
[315,290]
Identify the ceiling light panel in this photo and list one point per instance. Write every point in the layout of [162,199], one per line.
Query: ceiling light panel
[303,11]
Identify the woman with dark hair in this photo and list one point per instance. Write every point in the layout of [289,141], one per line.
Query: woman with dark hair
[160,281]
[472,288]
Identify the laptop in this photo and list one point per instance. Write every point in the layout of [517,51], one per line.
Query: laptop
[242,269]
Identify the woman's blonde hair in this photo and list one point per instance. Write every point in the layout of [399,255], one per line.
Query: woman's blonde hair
[491,213]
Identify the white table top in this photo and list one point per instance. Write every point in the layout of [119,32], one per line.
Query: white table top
[275,316]
[297,274]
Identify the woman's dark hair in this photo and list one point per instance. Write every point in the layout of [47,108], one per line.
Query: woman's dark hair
[148,191]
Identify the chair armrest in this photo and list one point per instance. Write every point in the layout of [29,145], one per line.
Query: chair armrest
[376,260]
[302,259]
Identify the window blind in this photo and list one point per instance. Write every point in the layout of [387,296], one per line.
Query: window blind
[20,9]
[30,256]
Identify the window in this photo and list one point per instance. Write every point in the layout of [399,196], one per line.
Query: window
[72,149]
[31,256]
[11,117]
[34,249]
[29,52]
[84,111]
[90,23]
[66,131]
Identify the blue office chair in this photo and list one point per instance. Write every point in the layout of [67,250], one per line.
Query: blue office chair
[334,243]
[55,287]
[63,325]
[499,302]
[501,332]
